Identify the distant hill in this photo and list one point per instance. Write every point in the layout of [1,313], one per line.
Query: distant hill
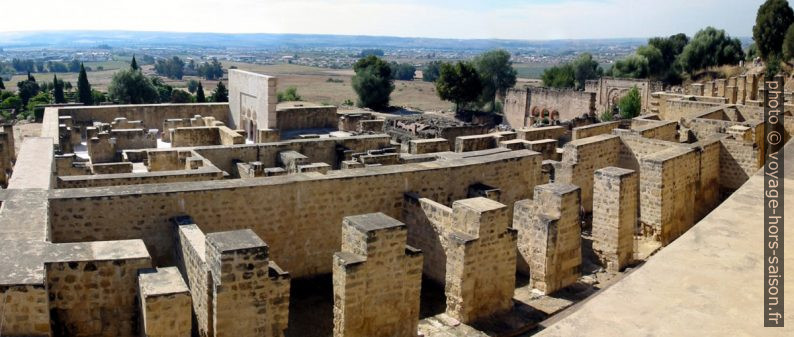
[68,39]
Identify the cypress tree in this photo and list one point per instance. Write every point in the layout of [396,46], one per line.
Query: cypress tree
[220,94]
[31,78]
[200,94]
[2,86]
[57,90]
[134,64]
[84,88]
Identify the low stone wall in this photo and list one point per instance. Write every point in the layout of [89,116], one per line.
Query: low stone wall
[306,117]
[582,158]
[141,178]
[165,303]
[131,139]
[422,146]
[593,130]
[150,115]
[195,136]
[93,287]
[547,132]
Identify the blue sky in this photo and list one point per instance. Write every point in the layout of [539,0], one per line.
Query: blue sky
[505,19]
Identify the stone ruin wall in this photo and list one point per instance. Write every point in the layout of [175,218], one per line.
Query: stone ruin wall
[301,227]
[522,106]
[150,115]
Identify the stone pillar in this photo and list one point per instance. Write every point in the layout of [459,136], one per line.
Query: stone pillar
[377,279]
[470,249]
[246,299]
[741,89]
[696,89]
[165,303]
[667,191]
[720,85]
[615,198]
[751,87]
[731,93]
[732,81]
[709,89]
[549,236]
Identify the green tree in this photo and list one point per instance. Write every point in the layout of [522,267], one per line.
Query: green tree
[630,104]
[132,87]
[459,83]
[27,89]
[496,74]
[403,71]
[41,98]
[711,47]
[221,94]
[134,64]
[634,66]
[163,90]
[562,76]
[788,45]
[289,95]
[585,68]
[200,98]
[2,86]
[84,88]
[431,71]
[192,86]
[180,96]
[13,102]
[771,22]
[57,90]
[373,82]
[98,96]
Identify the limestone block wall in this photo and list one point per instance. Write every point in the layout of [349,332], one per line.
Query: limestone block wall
[523,107]
[739,160]
[129,139]
[474,143]
[150,115]
[252,101]
[376,279]
[549,236]
[707,193]
[422,146]
[667,189]
[593,130]
[284,205]
[615,209]
[165,303]
[229,136]
[191,261]
[97,295]
[546,132]
[101,149]
[582,158]
[25,310]
[327,150]
[123,179]
[306,117]
[663,130]
[469,248]
[195,136]
[246,300]
[675,109]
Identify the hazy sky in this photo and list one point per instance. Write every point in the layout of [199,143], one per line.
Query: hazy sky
[506,19]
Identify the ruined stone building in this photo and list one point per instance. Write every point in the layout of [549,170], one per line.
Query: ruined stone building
[209,219]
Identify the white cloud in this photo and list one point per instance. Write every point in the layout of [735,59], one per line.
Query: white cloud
[544,19]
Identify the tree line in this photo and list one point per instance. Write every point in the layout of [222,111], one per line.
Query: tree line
[176,68]
[128,86]
[470,85]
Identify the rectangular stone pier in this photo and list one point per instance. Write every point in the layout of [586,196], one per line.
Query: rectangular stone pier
[377,279]
[615,199]
[470,249]
[236,290]
[549,236]
[165,303]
